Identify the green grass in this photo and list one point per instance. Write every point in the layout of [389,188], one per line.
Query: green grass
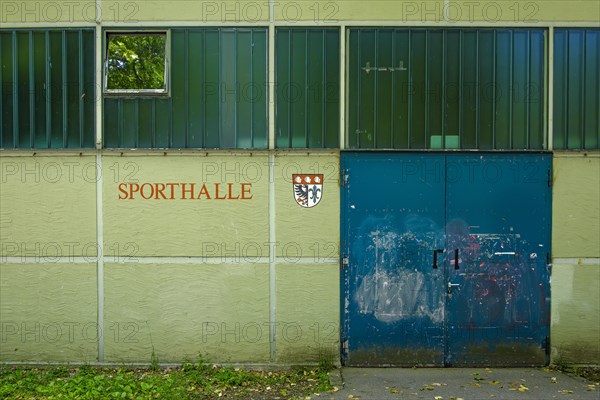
[190,381]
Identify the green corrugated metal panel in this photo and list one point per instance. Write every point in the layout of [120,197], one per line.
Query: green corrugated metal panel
[576,89]
[446,88]
[47,101]
[307,68]
[218,96]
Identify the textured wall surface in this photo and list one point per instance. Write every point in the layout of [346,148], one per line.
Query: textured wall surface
[48,312]
[218,311]
[575,329]
[576,206]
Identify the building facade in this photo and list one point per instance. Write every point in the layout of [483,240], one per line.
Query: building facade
[373,183]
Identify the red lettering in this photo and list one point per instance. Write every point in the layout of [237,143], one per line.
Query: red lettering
[144,196]
[133,188]
[190,191]
[160,188]
[246,190]
[172,186]
[204,191]
[217,193]
[230,196]
[122,187]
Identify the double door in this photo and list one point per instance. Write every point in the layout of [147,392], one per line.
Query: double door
[445,258]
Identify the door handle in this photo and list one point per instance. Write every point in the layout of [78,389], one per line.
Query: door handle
[456,259]
[451,285]
[435,257]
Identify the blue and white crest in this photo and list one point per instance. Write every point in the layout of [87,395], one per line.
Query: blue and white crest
[308,189]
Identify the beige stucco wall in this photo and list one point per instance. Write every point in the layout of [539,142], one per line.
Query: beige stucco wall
[48,312]
[575,329]
[126,12]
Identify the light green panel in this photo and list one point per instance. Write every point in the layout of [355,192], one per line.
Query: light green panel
[185,10]
[48,207]
[575,209]
[525,12]
[175,228]
[48,312]
[307,313]
[181,311]
[575,334]
[47,11]
[307,232]
[334,12]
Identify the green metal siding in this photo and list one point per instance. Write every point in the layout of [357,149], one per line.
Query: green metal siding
[576,89]
[47,89]
[307,68]
[446,88]
[218,97]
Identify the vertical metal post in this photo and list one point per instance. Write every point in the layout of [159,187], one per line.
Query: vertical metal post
[549,120]
[342,72]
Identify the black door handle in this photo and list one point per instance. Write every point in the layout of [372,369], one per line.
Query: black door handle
[435,257]
[456,259]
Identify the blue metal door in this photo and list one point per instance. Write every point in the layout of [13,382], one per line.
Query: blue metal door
[498,217]
[444,258]
[393,218]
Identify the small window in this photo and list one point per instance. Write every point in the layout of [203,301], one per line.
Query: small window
[136,63]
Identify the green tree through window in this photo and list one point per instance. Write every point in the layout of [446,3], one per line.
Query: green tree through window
[136,61]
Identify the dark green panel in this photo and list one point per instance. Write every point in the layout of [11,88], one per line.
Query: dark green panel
[469,89]
[486,52]
[536,93]
[23,58]
[453,82]
[367,94]
[575,88]
[298,88]
[435,86]
[195,77]
[39,79]
[284,105]
[418,70]
[146,123]
[111,123]
[243,88]
[591,120]
[315,64]
[90,95]
[74,89]
[401,90]
[7,89]
[332,88]
[560,83]
[259,93]
[179,69]
[384,88]
[162,129]
[212,88]
[353,114]
[130,123]
[520,100]
[228,88]
[57,89]
[503,89]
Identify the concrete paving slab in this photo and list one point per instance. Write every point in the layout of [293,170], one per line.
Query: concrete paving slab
[462,383]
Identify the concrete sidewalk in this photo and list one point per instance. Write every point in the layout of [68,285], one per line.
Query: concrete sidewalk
[461,383]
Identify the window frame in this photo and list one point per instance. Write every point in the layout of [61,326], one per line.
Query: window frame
[165,92]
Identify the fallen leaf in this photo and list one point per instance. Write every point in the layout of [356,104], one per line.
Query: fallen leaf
[436,384]
[438,397]
[494,382]
[565,391]
[553,380]
[523,388]
[393,391]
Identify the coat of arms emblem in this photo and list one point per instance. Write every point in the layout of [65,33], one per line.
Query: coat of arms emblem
[308,189]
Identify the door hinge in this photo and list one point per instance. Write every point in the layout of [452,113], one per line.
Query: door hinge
[550,178]
[344,178]
[345,261]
